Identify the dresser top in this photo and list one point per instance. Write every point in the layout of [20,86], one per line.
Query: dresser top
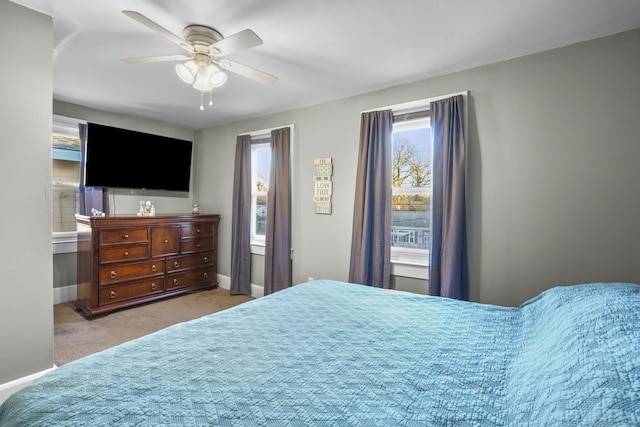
[133,220]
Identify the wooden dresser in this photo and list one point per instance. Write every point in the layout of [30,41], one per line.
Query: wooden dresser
[129,260]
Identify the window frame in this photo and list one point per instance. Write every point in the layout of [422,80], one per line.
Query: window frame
[64,241]
[411,262]
[257,240]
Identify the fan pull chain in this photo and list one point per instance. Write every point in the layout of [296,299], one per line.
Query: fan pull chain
[201,103]
[210,98]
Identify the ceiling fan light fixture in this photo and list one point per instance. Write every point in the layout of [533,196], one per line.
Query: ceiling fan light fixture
[201,82]
[187,71]
[216,77]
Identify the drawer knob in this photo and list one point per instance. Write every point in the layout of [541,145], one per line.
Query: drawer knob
[112,274]
[153,287]
[126,236]
[175,282]
[197,245]
[166,241]
[153,267]
[126,254]
[206,275]
[175,264]
[198,230]
[112,295]
[206,259]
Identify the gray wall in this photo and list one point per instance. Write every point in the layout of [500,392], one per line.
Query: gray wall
[553,176]
[26,312]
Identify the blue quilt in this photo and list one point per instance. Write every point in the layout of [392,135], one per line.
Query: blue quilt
[328,353]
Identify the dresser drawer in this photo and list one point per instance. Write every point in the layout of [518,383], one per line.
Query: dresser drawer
[130,271]
[190,261]
[164,241]
[123,253]
[197,230]
[132,235]
[180,280]
[116,294]
[197,245]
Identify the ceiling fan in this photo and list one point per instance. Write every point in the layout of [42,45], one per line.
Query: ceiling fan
[205,49]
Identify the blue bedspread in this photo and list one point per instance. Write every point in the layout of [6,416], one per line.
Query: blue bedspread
[335,354]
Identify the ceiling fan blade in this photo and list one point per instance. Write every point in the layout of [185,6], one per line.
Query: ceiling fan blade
[235,42]
[157,28]
[245,71]
[150,59]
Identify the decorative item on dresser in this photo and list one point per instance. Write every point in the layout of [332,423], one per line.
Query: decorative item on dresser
[129,260]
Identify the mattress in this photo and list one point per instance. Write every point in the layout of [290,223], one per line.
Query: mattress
[338,354]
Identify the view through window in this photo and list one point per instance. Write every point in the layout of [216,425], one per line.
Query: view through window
[260,161]
[65,182]
[411,175]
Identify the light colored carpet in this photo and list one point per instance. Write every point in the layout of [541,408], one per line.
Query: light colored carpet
[76,337]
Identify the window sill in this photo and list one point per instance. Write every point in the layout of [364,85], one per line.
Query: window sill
[64,242]
[257,248]
[410,263]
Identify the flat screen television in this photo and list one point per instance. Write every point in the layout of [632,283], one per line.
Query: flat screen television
[120,158]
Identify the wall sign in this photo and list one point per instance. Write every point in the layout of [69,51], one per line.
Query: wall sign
[323,186]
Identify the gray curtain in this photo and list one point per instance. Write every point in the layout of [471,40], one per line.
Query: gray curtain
[241,219]
[371,235]
[448,274]
[90,197]
[277,262]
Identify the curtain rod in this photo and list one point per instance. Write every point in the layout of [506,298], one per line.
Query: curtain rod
[408,106]
[265,131]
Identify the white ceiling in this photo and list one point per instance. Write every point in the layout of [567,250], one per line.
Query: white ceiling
[320,50]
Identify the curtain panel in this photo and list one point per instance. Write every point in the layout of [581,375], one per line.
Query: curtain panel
[241,219]
[90,197]
[371,234]
[277,269]
[448,272]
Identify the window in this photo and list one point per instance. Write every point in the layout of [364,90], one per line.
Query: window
[260,161]
[411,189]
[65,177]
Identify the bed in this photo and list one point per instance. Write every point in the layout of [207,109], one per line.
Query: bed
[337,354]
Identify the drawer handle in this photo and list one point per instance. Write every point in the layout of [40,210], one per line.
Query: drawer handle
[206,275]
[175,264]
[153,267]
[197,245]
[175,282]
[126,236]
[166,241]
[198,230]
[112,295]
[126,254]
[112,274]
[206,259]
[153,287]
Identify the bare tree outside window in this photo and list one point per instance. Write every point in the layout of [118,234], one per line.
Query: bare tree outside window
[411,180]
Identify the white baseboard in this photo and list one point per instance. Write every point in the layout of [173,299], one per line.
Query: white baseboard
[224,282]
[7,389]
[65,294]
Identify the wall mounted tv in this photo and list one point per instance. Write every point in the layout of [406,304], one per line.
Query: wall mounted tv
[120,158]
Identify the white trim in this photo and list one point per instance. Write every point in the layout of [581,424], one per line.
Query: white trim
[407,107]
[66,126]
[224,282]
[65,294]
[7,389]
[410,270]
[257,248]
[64,242]
[265,131]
